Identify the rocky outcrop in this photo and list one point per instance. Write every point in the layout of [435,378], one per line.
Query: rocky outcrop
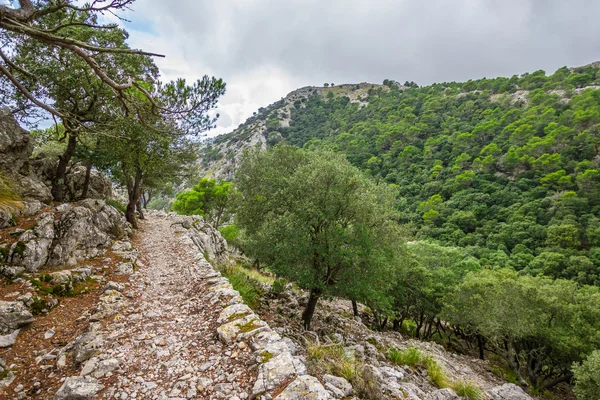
[68,234]
[16,147]
[221,155]
[100,186]
[508,391]
[209,240]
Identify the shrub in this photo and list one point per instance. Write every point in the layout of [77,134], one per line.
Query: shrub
[117,204]
[230,234]
[333,359]
[436,373]
[587,377]
[279,286]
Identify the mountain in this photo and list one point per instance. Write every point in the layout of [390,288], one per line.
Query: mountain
[506,168]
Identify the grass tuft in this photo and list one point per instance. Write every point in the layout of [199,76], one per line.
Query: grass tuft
[468,390]
[411,357]
[414,358]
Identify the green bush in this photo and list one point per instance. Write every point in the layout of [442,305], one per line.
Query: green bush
[587,377]
[279,286]
[230,234]
[117,204]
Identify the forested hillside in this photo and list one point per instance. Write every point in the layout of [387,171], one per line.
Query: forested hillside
[506,168]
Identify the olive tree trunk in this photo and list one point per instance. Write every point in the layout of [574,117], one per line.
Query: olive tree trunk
[309,310]
[58,183]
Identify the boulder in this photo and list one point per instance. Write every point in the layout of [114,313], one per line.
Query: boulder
[100,187]
[340,387]
[78,388]
[16,147]
[13,315]
[209,240]
[304,387]
[6,219]
[33,248]
[508,391]
[273,372]
[68,235]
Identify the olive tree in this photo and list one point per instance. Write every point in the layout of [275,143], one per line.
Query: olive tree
[317,220]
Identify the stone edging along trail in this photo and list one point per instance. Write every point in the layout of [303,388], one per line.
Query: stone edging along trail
[239,324]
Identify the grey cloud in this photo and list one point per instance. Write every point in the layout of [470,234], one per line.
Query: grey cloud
[266,48]
[349,40]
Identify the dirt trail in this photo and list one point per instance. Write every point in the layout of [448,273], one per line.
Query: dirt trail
[165,338]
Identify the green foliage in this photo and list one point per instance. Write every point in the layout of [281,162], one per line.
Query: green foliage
[535,321]
[208,198]
[474,166]
[468,389]
[230,234]
[414,358]
[279,286]
[411,357]
[159,203]
[247,287]
[116,204]
[587,377]
[316,220]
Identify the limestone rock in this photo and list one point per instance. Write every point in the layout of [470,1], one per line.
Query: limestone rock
[208,239]
[230,331]
[13,315]
[335,382]
[119,287]
[9,340]
[442,394]
[232,312]
[275,371]
[16,147]
[33,248]
[410,391]
[78,388]
[100,187]
[6,219]
[304,387]
[15,144]
[508,391]
[81,231]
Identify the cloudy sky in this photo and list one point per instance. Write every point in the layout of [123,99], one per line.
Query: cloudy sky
[264,49]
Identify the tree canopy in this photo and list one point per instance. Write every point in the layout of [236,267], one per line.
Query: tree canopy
[317,220]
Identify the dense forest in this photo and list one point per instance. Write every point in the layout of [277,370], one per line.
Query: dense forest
[506,168]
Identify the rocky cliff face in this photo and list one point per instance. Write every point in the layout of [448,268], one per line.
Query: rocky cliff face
[16,147]
[221,155]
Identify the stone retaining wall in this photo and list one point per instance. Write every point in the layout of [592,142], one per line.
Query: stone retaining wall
[277,368]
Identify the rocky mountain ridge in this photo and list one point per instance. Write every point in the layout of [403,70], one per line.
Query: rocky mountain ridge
[220,155]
